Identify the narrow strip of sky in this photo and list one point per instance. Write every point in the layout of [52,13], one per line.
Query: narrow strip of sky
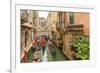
[43,14]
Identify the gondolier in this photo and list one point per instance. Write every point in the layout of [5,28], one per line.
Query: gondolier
[43,44]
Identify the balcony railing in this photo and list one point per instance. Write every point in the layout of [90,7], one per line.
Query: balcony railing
[75,29]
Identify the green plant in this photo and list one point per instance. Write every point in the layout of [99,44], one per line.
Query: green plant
[81,46]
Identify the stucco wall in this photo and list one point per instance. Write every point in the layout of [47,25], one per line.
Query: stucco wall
[83,18]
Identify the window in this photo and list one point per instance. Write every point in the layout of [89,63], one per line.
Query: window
[71,18]
[26,38]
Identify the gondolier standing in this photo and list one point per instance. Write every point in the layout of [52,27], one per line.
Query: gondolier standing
[43,46]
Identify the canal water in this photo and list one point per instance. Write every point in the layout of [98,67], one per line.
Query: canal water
[52,53]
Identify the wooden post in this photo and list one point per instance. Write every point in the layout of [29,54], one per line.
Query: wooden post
[25,55]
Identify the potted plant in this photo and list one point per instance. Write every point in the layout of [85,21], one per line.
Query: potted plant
[81,46]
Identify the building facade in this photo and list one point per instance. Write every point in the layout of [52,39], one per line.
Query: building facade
[52,21]
[33,20]
[77,24]
[28,28]
[41,25]
[24,16]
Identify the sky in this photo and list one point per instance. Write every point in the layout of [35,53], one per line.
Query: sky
[43,14]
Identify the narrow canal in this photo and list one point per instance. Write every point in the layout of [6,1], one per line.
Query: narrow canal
[52,53]
[55,53]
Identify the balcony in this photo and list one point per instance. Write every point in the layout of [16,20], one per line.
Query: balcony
[75,29]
